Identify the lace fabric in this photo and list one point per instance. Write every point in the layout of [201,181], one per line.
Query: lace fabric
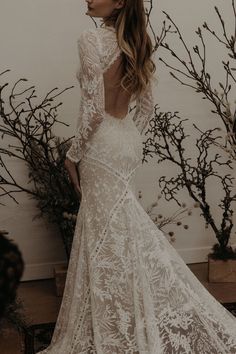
[127,289]
[98,50]
[91,110]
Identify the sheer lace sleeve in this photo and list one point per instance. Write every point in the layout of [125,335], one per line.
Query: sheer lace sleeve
[144,108]
[91,110]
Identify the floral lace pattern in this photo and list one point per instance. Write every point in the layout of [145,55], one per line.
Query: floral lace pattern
[91,110]
[127,289]
[98,50]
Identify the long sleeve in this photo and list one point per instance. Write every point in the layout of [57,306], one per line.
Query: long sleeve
[144,108]
[91,109]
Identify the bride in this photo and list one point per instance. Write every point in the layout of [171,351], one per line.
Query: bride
[127,289]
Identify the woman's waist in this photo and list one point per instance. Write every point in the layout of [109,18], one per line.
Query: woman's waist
[115,141]
[125,155]
[120,116]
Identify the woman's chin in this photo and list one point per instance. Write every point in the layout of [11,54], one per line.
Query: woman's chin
[89,12]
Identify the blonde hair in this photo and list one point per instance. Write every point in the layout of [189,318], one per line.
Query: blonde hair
[130,23]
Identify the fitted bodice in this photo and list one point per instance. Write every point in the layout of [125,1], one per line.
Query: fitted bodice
[102,96]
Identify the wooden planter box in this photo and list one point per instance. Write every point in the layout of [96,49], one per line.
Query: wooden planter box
[220,271]
[60,272]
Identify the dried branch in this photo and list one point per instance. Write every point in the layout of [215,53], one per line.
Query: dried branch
[166,141]
[29,126]
[200,79]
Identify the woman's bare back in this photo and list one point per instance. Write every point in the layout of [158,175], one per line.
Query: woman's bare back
[116,98]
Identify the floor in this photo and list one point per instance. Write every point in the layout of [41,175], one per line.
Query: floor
[42,305]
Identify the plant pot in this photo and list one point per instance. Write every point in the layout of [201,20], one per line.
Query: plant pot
[60,272]
[220,271]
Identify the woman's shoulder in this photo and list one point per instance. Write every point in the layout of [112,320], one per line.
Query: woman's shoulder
[98,40]
[90,41]
[88,34]
[97,33]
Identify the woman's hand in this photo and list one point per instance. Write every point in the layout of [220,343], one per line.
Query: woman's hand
[78,190]
[74,176]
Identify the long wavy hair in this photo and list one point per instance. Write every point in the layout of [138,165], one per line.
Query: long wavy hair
[130,23]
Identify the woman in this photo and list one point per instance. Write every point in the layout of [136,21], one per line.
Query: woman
[127,289]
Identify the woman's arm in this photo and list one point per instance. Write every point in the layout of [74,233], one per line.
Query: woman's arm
[91,110]
[144,108]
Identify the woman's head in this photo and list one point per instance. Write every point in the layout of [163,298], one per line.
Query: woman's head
[130,21]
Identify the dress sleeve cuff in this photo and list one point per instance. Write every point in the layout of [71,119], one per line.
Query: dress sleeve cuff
[71,157]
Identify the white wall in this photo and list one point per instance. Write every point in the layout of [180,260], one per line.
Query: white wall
[38,42]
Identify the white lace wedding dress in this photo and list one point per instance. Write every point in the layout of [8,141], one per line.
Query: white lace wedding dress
[127,289]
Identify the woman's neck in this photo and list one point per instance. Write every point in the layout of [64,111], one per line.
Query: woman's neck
[108,24]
